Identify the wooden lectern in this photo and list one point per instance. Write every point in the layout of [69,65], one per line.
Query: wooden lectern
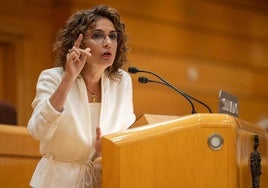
[19,155]
[194,151]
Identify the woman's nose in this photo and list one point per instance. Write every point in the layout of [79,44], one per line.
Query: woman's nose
[107,41]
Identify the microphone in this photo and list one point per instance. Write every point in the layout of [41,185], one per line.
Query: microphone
[134,70]
[145,80]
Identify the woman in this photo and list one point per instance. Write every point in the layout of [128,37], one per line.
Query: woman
[88,95]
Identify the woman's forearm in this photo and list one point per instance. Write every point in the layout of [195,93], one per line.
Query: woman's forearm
[58,98]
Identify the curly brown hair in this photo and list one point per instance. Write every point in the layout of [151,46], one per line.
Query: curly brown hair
[83,20]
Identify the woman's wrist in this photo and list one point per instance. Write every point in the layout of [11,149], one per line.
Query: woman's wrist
[69,78]
[95,156]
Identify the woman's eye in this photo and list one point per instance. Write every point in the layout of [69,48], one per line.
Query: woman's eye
[113,36]
[97,35]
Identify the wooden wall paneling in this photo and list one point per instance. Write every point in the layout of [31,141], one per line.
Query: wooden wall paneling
[1,70]
[179,41]
[209,76]
[248,5]
[11,39]
[9,11]
[207,15]
[9,73]
[225,19]
[29,27]
[252,109]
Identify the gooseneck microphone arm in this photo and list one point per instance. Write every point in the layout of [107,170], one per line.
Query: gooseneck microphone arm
[145,80]
[134,70]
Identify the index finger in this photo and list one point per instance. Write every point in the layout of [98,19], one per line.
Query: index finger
[78,41]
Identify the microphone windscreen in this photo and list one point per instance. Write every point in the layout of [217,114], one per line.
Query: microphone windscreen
[143,80]
[133,70]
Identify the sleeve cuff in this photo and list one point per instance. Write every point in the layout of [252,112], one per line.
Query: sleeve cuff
[50,114]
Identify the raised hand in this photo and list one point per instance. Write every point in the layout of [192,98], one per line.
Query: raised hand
[76,58]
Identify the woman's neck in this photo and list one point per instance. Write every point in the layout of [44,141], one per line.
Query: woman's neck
[91,76]
[93,84]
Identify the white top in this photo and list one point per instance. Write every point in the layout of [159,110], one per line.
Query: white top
[94,113]
[66,138]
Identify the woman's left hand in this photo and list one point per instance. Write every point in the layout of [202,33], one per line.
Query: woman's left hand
[98,148]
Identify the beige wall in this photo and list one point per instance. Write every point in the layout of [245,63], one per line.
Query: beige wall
[200,46]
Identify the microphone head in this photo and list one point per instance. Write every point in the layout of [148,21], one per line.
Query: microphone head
[133,70]
[143,80]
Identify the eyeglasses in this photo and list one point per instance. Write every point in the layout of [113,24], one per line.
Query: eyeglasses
[99,36]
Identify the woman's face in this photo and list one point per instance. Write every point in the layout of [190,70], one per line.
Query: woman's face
[102,40]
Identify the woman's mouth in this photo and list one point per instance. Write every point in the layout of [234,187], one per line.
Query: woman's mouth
[106,54]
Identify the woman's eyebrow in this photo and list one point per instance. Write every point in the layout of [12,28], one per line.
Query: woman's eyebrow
[102,30]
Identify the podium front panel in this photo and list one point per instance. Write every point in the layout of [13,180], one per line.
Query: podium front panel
[178,153]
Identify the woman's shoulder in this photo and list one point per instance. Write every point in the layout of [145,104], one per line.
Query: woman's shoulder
[125,78]
[124,74]
[54,70]
[54,73]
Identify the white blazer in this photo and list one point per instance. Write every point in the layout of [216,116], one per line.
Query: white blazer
[66,138]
